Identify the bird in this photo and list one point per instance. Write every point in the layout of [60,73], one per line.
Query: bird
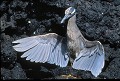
[55,49]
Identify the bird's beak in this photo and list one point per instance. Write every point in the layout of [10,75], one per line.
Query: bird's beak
[64,18]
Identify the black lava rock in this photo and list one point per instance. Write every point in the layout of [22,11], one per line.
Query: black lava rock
[97,20]
[16,73]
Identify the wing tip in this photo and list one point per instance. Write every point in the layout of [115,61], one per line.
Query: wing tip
[96,74]
[22,56]
[18,50]
[14,42]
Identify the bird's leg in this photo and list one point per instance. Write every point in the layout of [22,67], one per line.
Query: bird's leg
[69,55]
[71,61]
[72,56]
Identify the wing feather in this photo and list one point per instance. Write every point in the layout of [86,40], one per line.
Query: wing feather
[60,56]
[29,52]
[25,46]
[35,55]
[38,57]
[51,56]
[54,57]
[27,39]
[90,59]
[57,61]
[43,48]
[45,54]
[42,54]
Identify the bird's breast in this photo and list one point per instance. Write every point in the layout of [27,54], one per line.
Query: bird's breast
[73,45]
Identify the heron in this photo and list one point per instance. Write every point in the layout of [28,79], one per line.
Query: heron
[55,49]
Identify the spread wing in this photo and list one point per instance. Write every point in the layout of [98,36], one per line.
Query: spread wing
[90,59]
[49,48]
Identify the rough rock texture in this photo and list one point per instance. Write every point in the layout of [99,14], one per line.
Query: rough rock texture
[97,20]
[111,71]
[15,73]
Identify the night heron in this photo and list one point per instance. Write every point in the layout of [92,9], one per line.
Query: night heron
[55,49]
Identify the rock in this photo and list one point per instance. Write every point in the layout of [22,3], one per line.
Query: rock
[8,55]
[16,73]
[5,74]
[113,70]
[5,24]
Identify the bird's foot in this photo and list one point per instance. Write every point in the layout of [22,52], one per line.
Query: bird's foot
[71,61]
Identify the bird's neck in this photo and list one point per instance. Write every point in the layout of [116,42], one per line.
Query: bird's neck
[72,28]
[72,22]
[76,41]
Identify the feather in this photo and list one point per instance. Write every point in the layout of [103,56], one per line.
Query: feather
[29,52]
[39,53]
[54,56]
[27,39]
[57,61]
[33,53]
[93,62]
[45,54]
[25,46]
[42,48]
[50,55]
[42,54]
[59,56]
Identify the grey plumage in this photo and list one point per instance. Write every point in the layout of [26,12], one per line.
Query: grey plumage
[54,49]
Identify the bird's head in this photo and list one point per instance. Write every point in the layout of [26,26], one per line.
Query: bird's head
[69,12]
